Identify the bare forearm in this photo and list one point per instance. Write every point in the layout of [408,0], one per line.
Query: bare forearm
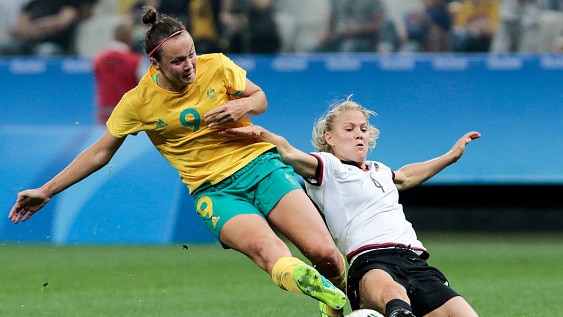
[413,174]
[90,160]
[417,173]
[84,165]
[257,103]
[303,163]
[284,148]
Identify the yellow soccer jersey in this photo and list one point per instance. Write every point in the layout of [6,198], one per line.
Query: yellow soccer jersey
[175,124]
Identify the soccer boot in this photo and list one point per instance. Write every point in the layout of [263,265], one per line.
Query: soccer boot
[325,311]
[313,284]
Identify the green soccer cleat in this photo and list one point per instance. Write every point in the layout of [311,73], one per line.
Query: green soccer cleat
[312,283]
[324,311]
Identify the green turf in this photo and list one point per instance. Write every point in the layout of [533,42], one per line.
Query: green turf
[500,275]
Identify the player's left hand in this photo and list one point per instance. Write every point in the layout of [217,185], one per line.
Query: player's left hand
[459,146]
[468,137]
[229,112]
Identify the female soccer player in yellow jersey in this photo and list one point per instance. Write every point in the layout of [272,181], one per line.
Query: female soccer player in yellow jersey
[240,186]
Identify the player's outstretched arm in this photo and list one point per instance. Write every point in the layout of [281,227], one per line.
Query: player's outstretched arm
[413,174]
[303,163]
[30,201]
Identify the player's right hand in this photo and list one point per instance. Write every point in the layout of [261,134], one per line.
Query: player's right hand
[28,203]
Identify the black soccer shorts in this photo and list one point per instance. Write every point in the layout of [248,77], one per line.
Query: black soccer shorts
[426,286]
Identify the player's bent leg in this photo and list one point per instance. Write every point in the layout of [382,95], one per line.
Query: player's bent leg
[252,236]
[296,217]
[377,288]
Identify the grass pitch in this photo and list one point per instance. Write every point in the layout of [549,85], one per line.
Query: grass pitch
[501,275]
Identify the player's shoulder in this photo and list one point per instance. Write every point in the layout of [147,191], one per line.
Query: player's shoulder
[211,57]
[324,157]
[212,62]
[328,161]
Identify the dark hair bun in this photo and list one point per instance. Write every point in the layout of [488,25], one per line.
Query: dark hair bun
[150,15]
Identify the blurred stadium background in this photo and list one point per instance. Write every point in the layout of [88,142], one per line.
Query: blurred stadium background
[509,180]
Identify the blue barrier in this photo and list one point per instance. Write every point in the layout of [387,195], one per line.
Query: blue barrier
[136,198]
[424,103]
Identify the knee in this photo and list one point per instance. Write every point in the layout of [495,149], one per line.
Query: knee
[324,254]
[377,288]
[328,259]
[394,291]
[266,251]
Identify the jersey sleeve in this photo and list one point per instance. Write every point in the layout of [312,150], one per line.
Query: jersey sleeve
[317,180]
[235,76]
[124,119]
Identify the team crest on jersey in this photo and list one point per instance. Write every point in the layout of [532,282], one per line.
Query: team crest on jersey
[211,95]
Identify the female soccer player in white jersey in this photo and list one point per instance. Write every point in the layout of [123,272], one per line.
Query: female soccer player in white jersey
[240,186]
[360,201]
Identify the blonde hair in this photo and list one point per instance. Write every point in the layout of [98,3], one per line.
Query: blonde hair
[325,124]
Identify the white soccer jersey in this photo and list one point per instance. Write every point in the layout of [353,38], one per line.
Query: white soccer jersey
[361,208]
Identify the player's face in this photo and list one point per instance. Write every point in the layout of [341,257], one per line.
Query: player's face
[177,64]
[349,136]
